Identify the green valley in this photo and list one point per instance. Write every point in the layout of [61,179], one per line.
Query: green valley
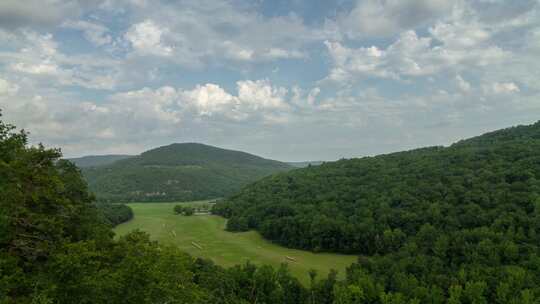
[223,247]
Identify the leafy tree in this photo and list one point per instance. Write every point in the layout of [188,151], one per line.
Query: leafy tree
[178,209]
[184,210]
[115,214]
[189,211]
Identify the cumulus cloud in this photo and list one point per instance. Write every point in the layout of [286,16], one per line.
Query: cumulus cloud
[411,55]
[146,39]
[460,34]
[198,33]
[261,94]
[140,115]
[252,98]
[39,56]
[304,98]
[173,106]
[209,98]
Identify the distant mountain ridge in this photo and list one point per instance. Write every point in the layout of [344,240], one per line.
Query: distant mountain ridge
[181,171]
[303,164]
[97,160]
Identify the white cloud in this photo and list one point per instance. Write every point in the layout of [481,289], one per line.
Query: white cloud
[146,39]
[45,67]
[93,32]
[261,94]
[199,33]
[253,98]
[279,53]
[173,106]
[375,18]
[38,58]
[410,56]
[147,104]
[208,99]
[93,108]
[236,52]
[462,84]
[7,88]
[305,99]
[503,88]
[485,40]
[459,34]
[313,95]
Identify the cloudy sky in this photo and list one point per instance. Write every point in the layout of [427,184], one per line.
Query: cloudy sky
[289,80]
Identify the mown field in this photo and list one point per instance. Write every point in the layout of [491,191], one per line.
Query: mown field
[225,248]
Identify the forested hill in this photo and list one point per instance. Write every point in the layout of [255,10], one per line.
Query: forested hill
[429,217]
[187,171]
[324,207]
[97,160]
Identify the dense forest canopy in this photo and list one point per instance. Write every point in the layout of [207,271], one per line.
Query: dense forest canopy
[115,214]
[178,172]
[428,221]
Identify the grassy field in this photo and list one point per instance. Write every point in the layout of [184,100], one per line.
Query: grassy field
[225,248]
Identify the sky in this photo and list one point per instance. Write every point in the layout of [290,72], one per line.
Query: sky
[289,80]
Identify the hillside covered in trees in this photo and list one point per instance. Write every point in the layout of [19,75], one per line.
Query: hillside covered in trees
[428,223]
[97,160]
[181,172]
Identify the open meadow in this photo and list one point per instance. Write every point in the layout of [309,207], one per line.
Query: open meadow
[204,236]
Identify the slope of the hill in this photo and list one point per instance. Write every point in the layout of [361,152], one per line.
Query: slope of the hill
[97,160]
[461,221]
[187,171]
[348,205]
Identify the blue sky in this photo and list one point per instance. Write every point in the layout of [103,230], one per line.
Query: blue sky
[289,80]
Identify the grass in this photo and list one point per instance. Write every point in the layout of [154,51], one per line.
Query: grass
[225,248]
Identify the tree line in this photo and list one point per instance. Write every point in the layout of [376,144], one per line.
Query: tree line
[115,214]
